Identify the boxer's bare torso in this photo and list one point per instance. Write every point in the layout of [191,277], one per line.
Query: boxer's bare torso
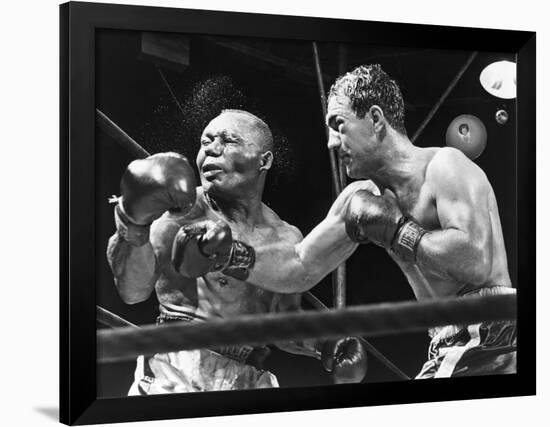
[420,202]
[215,294]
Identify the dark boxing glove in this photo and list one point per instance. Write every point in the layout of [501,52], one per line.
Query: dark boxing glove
[149,187]
[346,358]
[208,246]
[153,185]
[378,219]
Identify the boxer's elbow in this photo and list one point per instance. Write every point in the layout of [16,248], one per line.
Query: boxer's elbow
[298,281]
[461,258]
[130,294]
[131,299]
[305,283]
[481,268]
[479,264]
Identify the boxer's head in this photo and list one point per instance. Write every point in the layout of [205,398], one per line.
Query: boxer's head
[235,154]
[362,105]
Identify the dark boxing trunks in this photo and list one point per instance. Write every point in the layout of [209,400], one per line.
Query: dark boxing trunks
[487,348]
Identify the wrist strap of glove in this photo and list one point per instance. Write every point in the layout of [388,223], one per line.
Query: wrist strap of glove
[241,259]
[236,263]
[406,240]
[134,234]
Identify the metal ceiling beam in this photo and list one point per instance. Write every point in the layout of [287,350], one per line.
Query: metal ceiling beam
[263,56]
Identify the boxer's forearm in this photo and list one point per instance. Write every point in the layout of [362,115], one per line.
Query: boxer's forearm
[325,247]
[455,254]
[134,269]
[278,268]
[309,348]
[296,267]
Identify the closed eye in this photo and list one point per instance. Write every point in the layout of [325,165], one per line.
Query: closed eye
[228,140]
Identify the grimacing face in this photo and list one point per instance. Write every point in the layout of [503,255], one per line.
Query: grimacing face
[351,137]
[230,155]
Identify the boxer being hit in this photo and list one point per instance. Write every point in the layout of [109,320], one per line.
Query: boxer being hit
[194,246]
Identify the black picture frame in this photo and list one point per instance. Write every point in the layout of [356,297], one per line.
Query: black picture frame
[78,398]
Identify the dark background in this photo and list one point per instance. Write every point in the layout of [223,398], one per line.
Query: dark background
[276,79]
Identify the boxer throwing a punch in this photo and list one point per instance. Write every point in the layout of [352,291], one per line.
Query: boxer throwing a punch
[195,247]
[432,209]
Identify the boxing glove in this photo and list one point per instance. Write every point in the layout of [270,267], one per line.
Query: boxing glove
[156,184]
[208,246]
[346,359]
[379,219]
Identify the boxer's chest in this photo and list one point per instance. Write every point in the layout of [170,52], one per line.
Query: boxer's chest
[421,206]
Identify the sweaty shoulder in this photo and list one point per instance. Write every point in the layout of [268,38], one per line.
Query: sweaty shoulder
[283,229]
[449,165]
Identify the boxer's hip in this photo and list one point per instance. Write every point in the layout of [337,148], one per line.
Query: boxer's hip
[195,371]
[224,368]
[479,349]
[246,354]
[450,332]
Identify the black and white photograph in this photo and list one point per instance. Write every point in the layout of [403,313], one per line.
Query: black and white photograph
[258,177]
[309,219]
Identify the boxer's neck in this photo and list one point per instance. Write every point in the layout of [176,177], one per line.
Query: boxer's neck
[242,209]
[400,168]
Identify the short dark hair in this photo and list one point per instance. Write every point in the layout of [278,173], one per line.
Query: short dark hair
[369,85]
[260,125]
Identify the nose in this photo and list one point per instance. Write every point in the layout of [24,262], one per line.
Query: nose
[214,149]
[333,140]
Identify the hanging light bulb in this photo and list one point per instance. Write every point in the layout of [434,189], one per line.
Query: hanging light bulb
[499,79]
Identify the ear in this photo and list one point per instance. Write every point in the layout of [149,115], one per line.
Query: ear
[266,161]
[378,119]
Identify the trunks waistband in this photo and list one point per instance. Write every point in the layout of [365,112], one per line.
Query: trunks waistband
[245,354]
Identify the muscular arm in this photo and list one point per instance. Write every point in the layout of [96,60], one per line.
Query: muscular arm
[134,269]
[137,269]
[293,264]
[461,250]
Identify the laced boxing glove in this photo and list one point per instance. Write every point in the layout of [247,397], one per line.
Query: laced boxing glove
[149,187]
[346,359]
[378,219]
[208,246]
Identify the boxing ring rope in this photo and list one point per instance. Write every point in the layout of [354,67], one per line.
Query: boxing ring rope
[111,320]
[443,96]
[315,302]
[111,129]
[368,320]
[107,318]
[121,137]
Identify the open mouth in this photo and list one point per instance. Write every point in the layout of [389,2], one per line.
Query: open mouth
[210,167]
[210,170]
